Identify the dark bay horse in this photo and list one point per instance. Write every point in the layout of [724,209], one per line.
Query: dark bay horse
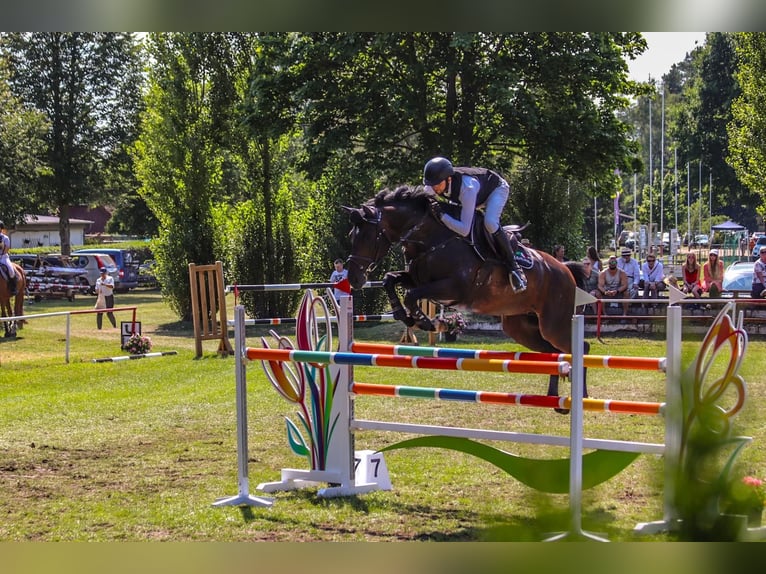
[448,269]
[17,310]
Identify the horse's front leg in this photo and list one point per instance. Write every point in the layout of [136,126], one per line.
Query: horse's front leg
[390,281]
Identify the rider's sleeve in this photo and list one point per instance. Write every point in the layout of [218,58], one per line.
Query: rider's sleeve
[468,194]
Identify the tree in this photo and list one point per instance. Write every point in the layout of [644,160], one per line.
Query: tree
[88,86]
[21,155]
[747,150]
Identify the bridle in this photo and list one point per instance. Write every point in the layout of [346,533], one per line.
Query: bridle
[380,235]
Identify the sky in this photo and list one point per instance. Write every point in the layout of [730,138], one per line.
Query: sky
[664,50]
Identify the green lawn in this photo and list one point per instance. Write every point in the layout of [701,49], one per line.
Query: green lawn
[139,450]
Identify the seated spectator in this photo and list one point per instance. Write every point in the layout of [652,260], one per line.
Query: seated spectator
[558,253]
[632,270]
[595,258]
[712,275]
[591,282]
[652,276]
[759,275]
[613,283]
[691,270]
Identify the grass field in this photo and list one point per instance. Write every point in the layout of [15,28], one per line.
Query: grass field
[139,450]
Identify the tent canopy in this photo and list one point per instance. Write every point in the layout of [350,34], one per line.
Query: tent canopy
[728,226]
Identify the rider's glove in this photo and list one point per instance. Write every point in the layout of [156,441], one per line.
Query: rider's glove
[435,208]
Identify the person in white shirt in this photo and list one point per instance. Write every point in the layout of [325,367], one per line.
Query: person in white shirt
[632,270]
[652,275]
[105,297]
[338,275]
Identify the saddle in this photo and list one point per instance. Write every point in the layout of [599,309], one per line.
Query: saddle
[485,248]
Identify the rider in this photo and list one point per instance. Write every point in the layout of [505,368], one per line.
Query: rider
[475,186]
[5,249]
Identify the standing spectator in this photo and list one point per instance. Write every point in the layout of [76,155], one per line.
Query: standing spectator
[590,285]
[613,283]
[652,277]
[691,271]
[595,258]
[712,275]
[338,275]
[105,297]
[632,270]
[558,253]
[759,275]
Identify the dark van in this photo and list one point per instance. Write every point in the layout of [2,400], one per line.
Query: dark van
[127,266]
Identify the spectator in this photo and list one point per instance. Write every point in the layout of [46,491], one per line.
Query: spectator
[613,283]
[558,253]
[652,276]
[595,258]
[632,270]
[591,282]
[712,275]
[105,297]
[759,275]
[691,271]
[338,275]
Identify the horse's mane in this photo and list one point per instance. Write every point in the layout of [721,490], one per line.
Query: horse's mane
[407,193]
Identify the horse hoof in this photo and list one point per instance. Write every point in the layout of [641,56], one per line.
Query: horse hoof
[426,326]
[562,411]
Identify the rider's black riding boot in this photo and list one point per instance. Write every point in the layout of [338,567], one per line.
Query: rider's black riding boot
[516,275]
[12,285]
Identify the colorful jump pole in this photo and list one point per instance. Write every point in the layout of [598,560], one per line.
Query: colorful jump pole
[590,361]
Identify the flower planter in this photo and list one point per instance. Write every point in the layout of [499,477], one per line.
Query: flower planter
[450,337]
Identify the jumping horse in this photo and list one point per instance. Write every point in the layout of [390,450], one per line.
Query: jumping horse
[462,273]
[17,310]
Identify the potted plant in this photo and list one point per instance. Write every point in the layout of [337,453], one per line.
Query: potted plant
[138,344]
[451,325]
[747,497]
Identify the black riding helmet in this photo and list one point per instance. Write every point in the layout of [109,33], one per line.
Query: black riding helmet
[437,170]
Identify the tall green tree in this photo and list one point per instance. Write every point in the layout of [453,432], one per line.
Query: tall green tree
[88,87]
[747,150]
[22,146]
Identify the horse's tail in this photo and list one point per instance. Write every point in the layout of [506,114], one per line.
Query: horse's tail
[578,272]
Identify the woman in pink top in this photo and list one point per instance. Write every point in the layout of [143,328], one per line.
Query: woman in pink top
[712,275]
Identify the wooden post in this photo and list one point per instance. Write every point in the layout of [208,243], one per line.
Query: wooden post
[209,307]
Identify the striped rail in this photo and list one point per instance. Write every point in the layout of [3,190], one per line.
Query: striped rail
[403,361]
[591,361]
[494,398]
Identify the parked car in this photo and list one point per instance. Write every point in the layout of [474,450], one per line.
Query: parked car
[760,242]
[127,266]
[627,239]
[146,276]
[738,276]
[701,240]
[92,263]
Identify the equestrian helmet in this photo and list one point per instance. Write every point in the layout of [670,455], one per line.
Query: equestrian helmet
[437,170]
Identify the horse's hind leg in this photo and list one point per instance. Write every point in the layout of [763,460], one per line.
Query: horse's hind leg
[524,329]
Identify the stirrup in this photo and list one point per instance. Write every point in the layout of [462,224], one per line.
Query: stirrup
[518,281]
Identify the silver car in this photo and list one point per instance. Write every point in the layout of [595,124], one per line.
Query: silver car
[92,263]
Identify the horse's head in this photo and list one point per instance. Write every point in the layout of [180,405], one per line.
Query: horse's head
[368,243]
[379,223]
